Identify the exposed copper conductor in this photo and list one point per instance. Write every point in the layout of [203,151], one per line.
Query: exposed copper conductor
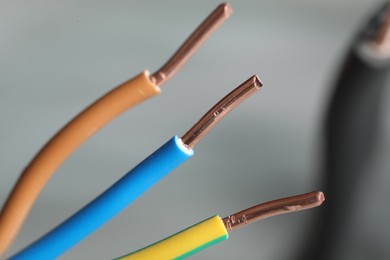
[218,111]
[273,208]
[207,27]
[384,29]
[380,42]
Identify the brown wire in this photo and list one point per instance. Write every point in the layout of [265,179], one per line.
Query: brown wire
[273,208]
[207,27]
[217,112]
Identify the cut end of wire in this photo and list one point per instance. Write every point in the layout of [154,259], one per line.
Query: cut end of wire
[204,30]
[219,110]
[380,40]
[383,30]
[273,208]
[227,9]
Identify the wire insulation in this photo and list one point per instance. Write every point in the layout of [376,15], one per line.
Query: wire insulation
[110,203]
[61,145]
[184,243]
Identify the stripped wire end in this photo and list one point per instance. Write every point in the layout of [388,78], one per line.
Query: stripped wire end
[380,41]
[383,31]
[218,111]
[204,30]
[273,208]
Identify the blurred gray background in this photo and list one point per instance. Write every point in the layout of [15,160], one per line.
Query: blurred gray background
[59,56]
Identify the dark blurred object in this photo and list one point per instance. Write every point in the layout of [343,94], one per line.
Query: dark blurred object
[351,129]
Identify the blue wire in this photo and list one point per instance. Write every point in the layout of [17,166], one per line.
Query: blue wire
[108,204]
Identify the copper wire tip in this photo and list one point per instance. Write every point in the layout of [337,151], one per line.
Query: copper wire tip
[384,28]
[219,110]
[379,40]
[273,208]
[227,9]
[204,30]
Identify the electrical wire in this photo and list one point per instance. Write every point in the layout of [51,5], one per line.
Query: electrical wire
[89,121]
[134,183]
[376,36]
[351,128]
[215,229]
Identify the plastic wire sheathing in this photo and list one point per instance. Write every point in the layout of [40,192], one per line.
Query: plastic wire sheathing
[110,203]
[184,243]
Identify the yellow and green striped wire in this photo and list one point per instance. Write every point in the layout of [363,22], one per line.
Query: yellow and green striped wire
[185,243]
